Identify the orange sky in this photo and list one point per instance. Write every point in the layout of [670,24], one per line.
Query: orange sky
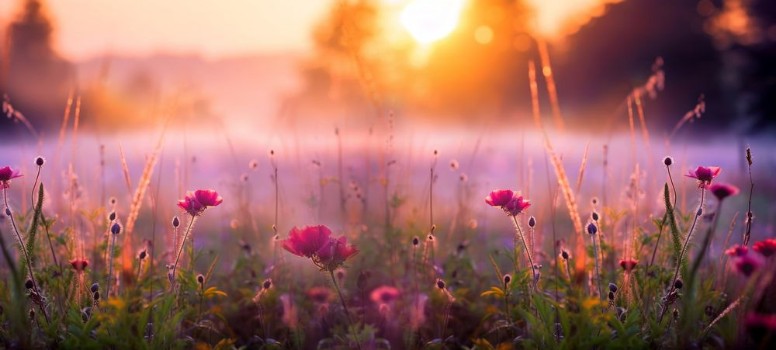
[214,28]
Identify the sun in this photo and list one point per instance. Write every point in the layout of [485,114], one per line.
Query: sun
[431,20]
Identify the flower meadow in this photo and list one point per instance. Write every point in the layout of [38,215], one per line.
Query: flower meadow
[549,272]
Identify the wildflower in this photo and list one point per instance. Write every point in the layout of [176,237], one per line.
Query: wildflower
[320,295]
[196,202]
[306,241]
[384,294]
[704,175]
[737,250]
[722,191]
[760,324]
[499,198]
[516,206]
[766,248]
[6,175]
[747,264]
[336,252]
[79,264]
[628,264]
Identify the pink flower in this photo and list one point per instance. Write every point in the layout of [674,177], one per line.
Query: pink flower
[766,248]
[79,264]
[760,324]
[704,175]
[306,241]
[516,205]
[335,253]
[511,203]
[384,294]
[6,174]
[747,264]
[319,295]
[196,202]
[628,264]
[737,250]
[722,191]
[499,198]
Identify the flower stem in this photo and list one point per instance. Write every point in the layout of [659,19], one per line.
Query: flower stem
[519,232]
[344,306]
[180,250]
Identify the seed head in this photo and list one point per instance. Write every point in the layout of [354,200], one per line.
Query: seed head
[532,222]
[142,254]
[40,161]
[116,228]
[595,216]
[415,241]
[112,216]
[267,283]
[176,222]
[668,161]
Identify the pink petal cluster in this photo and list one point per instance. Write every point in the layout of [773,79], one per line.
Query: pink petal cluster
[766,248]
[737,250]
[511,203]
[722,190]
[760,322]
[196,202]
[628,264]
[79,264]
[747,264]
[384,294]
[704,175]
[6,174]
[316,243]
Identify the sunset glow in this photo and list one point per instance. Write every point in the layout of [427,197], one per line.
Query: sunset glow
[556,18]
[431,20]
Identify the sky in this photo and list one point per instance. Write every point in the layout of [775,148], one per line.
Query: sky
[88,28]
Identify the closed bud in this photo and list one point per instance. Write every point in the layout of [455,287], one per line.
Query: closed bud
[95,287]
[415,241]
[96,295]
[595,216]
[200,279]
[116,228]
[112,216]
[142,254]
[507,279]
[440,283]
[267,283]
[612,287]
[8,211]
[699,212]
[668,161]
[611,295]
[564,254]
[176,222]
[592,229]
[532,222]
[28,284]
[39,161]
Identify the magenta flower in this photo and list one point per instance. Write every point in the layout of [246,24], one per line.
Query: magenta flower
[499,198]
[384,294]
[306,241]
[319,294]
[196,202]
[6,174]
[722,191]
[511,203]
[747,264]
[704,175]
[315,242]
[760,324]
[737,250]
[628,264]
[766,248]
[79,264]
[335,252]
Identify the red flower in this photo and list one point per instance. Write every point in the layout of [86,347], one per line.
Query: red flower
[737,250]
[704,175]
[384,294]
[628,264]
[509,202]
[747,264]
[722,191]
[196,202]
[335,252]
[516,205]
[319,295]
[499,198]
[766,248]
[307,241]
[79,264]
[6,174]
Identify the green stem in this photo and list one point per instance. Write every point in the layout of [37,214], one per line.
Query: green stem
[180,250]
[519,232]
[344,306]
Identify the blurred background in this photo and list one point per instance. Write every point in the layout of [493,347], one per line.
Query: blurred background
[297,63]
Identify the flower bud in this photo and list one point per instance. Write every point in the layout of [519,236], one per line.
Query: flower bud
[532,222]
[28,284]
[564,254]
[595,216]
[116,228]
[39,161]
[200,279]
[592,229]
[112,216]
[678,284]
[267,283]
[176,222]
[507,279]
[611,295]
[668,161]
[612,287]
[440,283]
[95,287]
